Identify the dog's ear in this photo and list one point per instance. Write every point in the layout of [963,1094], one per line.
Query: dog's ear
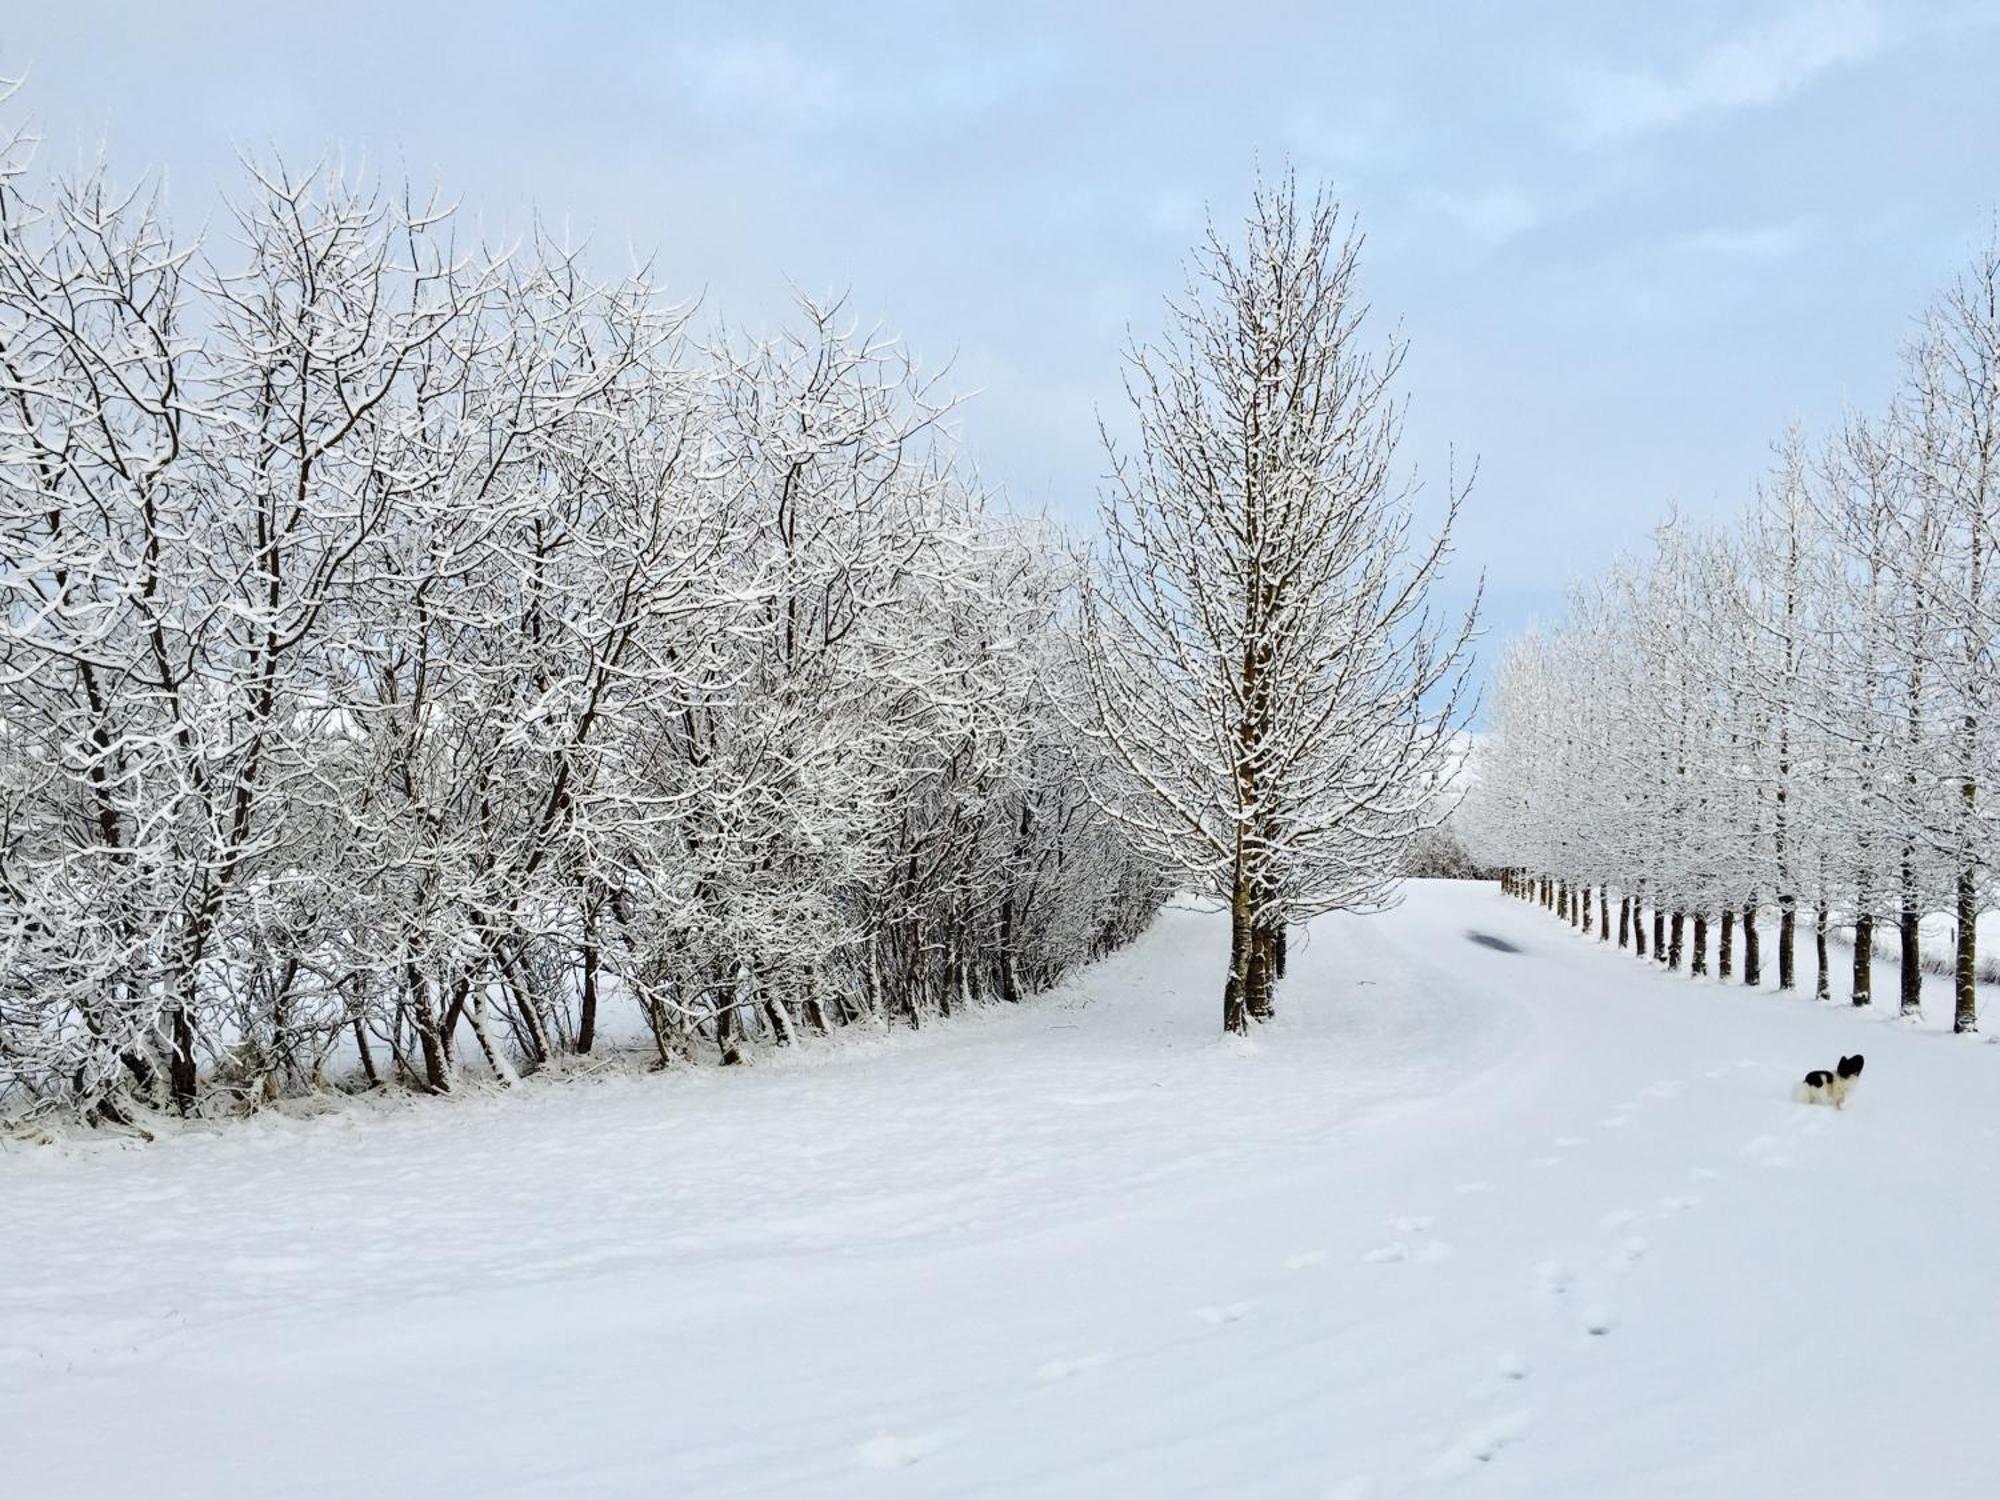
[1850,1067]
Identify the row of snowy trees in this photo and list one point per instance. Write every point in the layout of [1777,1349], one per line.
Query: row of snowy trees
[409,651]
[1791,713]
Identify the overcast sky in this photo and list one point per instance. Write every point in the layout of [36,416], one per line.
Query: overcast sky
[1628,242]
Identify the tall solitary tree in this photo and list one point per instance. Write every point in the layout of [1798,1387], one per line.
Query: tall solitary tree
[1265,663]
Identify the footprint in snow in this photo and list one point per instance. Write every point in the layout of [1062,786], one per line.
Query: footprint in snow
[1629,1253]
[1215,1317]
[1599,1321]
[1412,1223]
[1553,1278]
[1566,1142]
[887,1451]
[1388,1254]
[1483,1444]
[1511,1366]
[1304,1259]
[1679,1203]
[1062,1369]
[1618,1218]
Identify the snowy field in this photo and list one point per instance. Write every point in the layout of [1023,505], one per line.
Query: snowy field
[1492,1209]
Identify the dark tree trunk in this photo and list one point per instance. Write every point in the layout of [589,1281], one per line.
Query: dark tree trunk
[1562,901]
[586,1026]
[1639,925]
[1235,1017]
[1678,932]
[1624,921]
[1725,948]
[1788,922]
[1258,983]
[1864,959]
[1280,949]
[1698,966]
[1584,893]
[1822,985]
[1753,973]
[1659,935]
[1910,943]
[1603,914]
[1965,967]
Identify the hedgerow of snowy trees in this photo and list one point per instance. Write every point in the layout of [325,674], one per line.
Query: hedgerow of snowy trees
[403,643]
[1791,715]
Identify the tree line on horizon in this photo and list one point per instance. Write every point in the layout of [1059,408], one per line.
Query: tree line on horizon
[1790,714]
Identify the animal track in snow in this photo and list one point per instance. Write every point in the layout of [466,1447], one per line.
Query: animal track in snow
[1618,1218]
[1062,1369]
[1629,1252]
[1215,1317]
[1483,1443]
[1553,1278]
[1568,1141]
[887,1451]
[1304,1259]
[1511,1366]
[1412,1223]
[1679,1203]
[1388,1254]
[1599,1320]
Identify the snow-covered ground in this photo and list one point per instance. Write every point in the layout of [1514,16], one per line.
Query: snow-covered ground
[1491,1208]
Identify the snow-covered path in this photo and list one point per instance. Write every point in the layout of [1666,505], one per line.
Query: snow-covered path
[1491,1207]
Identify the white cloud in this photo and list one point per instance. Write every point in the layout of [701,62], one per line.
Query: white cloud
[1755,69]
[1488,217]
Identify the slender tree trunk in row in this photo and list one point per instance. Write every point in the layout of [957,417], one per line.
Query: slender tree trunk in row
[1788,921]
[1659,935]
[1699,965]
[1639,924]
[1258,989]
[1562,901]
[1585,893]
[1624,921]
[1604,914]
[1725,948]
[1576,900]
[1753,972]
[1965,970]
[1822,986]
[1864,955]
[1678,931]
[1235,1018]
[1910,944]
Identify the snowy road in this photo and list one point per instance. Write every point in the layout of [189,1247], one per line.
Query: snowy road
[1491,1209]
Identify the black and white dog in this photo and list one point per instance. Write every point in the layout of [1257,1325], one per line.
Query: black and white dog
[1822,1087]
